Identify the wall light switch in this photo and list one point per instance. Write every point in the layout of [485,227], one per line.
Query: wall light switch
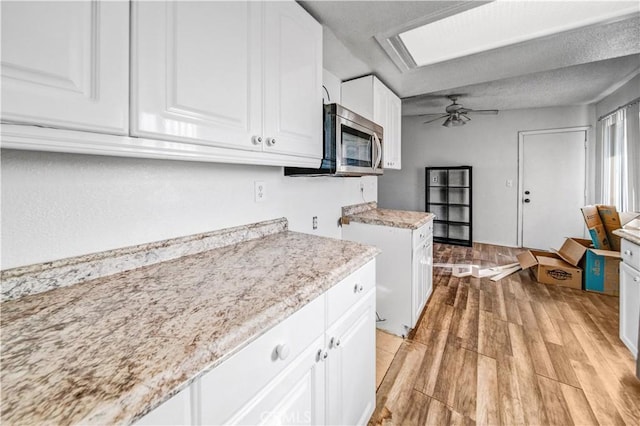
[260,191]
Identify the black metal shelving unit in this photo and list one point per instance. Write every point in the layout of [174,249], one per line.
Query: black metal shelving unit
[448,196]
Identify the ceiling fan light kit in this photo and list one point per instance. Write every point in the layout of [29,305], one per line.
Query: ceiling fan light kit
[456,114]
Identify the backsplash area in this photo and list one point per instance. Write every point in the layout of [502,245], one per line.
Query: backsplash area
[56,206]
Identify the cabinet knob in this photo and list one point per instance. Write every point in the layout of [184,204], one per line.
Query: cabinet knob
[321,355]
[335,342]
[257,140]
[271,141]
[283,351]
[636,279]
[358,288]
[628,252]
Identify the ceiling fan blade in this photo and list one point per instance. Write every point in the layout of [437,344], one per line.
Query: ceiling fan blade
[433,114]
[482,111]
[435,119]
[464,117]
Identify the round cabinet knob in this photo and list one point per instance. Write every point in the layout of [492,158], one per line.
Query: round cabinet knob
[636,279]
[283,351]
[257,140]
[628,252]
[358,288]
[271,141]
[335,342]
[321,355]
[526,200]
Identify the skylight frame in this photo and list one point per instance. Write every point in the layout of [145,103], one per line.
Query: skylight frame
[483,26]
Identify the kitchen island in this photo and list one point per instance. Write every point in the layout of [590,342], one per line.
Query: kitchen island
[110,349]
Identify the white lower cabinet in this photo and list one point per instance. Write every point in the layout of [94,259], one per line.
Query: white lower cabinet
[629,306]
[351,365]
[403,271]
[315,367]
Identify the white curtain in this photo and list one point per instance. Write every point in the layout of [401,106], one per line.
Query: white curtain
[620,159]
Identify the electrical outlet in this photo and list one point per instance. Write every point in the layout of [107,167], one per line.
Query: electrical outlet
[509,183]
[361,186]
[315,222]
[434,179]
[260,191]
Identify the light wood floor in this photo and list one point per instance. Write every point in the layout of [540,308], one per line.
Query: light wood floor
[510,352]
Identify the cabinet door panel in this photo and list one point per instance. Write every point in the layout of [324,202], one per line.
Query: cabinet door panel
[66,64]
[351,365]
[295,396]
[176,411]
[293,80]
[198,72]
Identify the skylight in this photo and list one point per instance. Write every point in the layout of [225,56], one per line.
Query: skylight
[505,22]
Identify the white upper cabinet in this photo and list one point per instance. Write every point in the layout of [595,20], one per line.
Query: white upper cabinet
[66,64]
[241,75]
[293,80]
[197,74]
[373,100]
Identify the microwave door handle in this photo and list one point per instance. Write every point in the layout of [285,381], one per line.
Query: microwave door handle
[379,145]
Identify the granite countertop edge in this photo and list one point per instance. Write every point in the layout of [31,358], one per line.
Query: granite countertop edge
[392,222]
[632,235]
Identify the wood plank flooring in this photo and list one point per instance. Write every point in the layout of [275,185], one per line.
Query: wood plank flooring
[511,352]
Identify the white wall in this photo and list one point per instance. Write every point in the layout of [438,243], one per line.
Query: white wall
[489,144]
[60,205]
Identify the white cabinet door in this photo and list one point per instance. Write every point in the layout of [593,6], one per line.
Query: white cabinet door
[629,307]
[393,149]
[351,365]
[419,263]
[176,411]
[197,73]
[66,64]
[295,396]
[293,81]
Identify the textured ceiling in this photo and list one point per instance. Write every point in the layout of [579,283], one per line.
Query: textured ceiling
[568,68]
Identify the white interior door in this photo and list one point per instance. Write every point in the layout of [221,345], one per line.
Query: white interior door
[552,176]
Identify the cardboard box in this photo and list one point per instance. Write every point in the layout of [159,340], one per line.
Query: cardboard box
[611,221]
[596,227]
[550,268]
[573,250]
[602,271]
[600,267]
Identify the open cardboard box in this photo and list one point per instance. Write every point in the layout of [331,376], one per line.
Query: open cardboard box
[550,268]
[601,268]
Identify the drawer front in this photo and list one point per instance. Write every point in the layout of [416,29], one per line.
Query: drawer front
[233,383]
[350,291]
[423,233]
[630,253]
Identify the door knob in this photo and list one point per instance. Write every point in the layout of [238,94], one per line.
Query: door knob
[526,200]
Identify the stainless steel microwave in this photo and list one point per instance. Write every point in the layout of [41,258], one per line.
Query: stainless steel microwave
[352,146]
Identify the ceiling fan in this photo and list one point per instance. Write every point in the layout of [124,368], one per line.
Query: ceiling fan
[457,115]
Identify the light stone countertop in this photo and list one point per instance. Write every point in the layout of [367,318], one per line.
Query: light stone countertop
[370,213]
[111,349]
[632,235]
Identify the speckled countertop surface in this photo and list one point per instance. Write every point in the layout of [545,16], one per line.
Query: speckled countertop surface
[632,235]
[109,350]
[371,214]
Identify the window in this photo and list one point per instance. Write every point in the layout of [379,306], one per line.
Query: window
[620,158]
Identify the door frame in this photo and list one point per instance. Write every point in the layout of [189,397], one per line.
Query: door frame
[521,135]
